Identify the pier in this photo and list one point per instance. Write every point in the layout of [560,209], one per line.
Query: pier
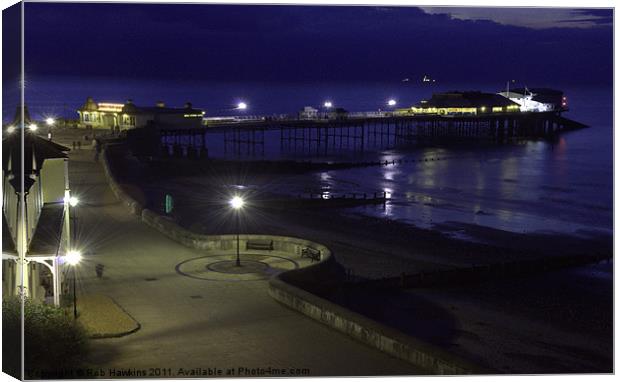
[355,133]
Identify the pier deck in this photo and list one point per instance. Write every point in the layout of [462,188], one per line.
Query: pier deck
[357,133]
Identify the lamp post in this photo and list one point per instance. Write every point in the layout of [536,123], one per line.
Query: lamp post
[73,258]
[237,203]
[50,123]
[72,201]
[327,105]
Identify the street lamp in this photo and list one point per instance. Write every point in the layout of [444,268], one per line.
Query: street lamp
[50,121]
[33,127]
[327,105]
[73,258]
[237,203]
[72,200]
[391,102]
[10,129]
[242,106]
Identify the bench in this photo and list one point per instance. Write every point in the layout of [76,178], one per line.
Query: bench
[265,245]
[311,253]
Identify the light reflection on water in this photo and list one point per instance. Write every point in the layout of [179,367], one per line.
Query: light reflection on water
[533,186]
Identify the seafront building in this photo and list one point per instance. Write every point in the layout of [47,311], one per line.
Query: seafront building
[118,117]
[35,219]
[308,112]
[537,99]
[463,103]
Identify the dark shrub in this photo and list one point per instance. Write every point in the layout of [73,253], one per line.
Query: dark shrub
[53,341]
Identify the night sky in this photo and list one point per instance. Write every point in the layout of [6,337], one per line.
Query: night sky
[311,43]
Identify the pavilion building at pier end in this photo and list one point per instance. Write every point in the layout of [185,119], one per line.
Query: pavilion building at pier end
[118,117]
[463,103]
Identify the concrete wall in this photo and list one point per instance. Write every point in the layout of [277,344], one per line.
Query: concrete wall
[128,201]
[190,239]
[428,357]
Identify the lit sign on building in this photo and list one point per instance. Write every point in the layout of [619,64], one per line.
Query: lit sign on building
[110,107]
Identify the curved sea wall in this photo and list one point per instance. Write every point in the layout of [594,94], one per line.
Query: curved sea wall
[292,288]
[168,227]
[283,287]
[134,206]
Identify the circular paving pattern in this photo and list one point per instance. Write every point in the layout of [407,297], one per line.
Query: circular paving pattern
[246,266]
[224,267]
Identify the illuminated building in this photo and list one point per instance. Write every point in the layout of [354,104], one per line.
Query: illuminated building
[118,116]
[308,112]
[35,219]
[463,103]
[537,99]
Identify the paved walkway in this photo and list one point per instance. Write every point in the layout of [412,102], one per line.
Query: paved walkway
[192,323]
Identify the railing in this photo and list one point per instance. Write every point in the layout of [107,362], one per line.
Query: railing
[294,118]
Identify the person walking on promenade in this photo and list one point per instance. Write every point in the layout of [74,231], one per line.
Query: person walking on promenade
[73,145]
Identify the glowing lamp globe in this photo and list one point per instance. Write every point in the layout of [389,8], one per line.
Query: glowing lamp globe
[50,121]
[73,257]
[33,127]
[328,104]
[242,106]
[72,201]
[10,129]
[236,202]
[392,102]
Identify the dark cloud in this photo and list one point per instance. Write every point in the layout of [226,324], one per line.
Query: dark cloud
[304,43]
[600,16]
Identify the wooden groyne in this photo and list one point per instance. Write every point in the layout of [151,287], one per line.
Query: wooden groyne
[324,199]
[475,273]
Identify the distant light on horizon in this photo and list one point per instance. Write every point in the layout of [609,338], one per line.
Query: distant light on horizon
[328,104]
[242,106]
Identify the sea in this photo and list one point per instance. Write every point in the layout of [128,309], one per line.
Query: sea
[562,185]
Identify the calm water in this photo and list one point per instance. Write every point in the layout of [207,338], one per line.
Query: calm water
[564,186]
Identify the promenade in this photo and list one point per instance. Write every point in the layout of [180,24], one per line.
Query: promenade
[557,321]
[191,323]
